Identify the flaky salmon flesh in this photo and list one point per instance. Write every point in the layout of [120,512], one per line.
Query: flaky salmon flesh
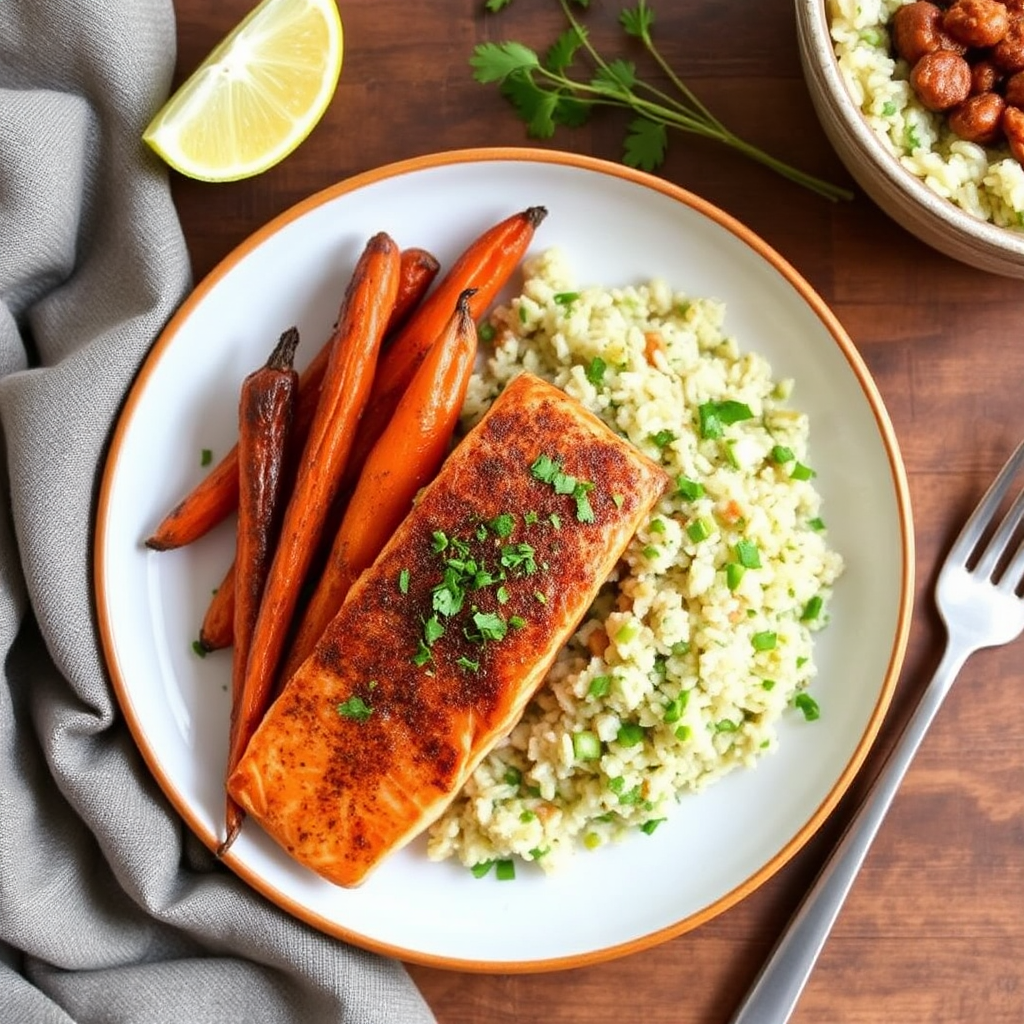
[444,639]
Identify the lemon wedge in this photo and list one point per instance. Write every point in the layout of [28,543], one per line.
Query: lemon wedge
[256,96]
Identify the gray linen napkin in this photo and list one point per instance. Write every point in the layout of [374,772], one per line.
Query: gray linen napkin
[110,910]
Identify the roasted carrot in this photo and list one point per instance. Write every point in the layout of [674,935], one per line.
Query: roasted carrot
[404,459]
[368,303]
[485,265]
[266,408]
[416,272]
[210,502]
[215,497]
[218,627]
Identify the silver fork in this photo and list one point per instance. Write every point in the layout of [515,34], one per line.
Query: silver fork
[980,596]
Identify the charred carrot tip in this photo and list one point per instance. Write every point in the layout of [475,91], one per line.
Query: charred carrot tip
[535,214]
[284,351]
[229,839]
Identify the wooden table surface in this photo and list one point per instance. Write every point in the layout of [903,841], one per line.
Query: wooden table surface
[933,931]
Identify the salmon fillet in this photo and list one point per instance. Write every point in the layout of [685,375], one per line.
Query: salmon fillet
[444,639]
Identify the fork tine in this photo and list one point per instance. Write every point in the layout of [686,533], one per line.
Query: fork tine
[1012,580]
[1001,538]
[969,536]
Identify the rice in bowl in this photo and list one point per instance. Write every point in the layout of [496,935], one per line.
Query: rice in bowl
[703,638]
[987,183]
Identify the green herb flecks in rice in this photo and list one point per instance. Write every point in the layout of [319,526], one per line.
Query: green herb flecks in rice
[703,640]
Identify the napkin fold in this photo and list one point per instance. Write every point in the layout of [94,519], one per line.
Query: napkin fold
[110,909]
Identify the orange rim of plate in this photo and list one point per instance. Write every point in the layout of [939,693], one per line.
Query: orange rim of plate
[896,468]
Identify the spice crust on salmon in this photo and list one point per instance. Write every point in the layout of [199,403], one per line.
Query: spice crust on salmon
[444,639]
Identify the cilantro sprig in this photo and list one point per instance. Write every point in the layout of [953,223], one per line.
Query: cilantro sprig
[549,471]
[555,91]
[355,708]
[469,565]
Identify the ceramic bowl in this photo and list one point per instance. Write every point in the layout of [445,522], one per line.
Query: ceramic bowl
[903,196]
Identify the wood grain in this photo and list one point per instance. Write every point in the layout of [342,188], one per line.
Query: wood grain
[933,931]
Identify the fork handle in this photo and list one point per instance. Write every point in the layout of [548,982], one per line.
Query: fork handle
[777,987]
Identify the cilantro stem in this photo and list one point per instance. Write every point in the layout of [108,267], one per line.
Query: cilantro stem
[703,116]
[657,112]
[643,33]
[546,95]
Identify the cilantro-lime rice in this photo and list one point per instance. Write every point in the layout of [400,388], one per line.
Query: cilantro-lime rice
[703,638]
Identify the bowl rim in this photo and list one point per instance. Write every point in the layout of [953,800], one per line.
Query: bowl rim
[813,18]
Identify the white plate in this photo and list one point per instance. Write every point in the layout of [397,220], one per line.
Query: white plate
[617,226]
